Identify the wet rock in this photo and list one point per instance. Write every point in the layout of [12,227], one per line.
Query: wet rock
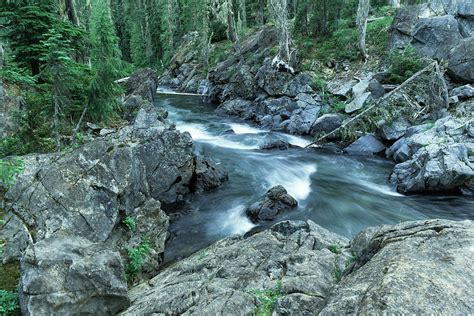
[207,175]
[66,275]
[289,258]
[276,144]
[409,268]
[461,61]
[326,123]
[365,145]
[274,202]
[235,107]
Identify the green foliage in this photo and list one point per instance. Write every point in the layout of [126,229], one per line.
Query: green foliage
[335,249]
[353,258]
[219,52]
[129,222]
[404,64]
[267,299]
[337,273]
[106,64]
[9,302]
[9,169]
[338,106]
[136,258]
[19,76]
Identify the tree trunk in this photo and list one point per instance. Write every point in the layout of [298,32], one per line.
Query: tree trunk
[243,13]
[362,15]
[395,3]
[261,12]
[280,16]
[231,32]
[71,12]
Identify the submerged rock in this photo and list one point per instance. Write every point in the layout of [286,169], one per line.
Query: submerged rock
[274,202]
[276,144]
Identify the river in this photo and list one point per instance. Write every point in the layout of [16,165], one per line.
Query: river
[341,193]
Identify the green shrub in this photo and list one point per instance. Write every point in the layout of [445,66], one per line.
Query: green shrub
[404,64]
[335,249]
[129,222]
[9,169]
[9,303]
[136,259]
[267,299]
[337,273]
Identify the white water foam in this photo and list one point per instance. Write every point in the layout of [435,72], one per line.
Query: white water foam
[246,129]
[384,189]
[199,133]
[235,222]
[297,141]
[295,177]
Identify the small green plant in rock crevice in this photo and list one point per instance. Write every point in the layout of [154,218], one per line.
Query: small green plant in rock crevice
[9,169]
[353,258]
[335,249]
[267,299]
[9,303]
[337,273]
[129,222]
[136,259]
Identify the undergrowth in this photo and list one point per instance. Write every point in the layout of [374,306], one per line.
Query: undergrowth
[267,299]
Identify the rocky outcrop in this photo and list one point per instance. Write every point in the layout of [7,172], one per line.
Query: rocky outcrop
[232,277]
[301,268]
[71,275]
[440,29]
[273,203]
[185,69]
[435,157]
[410,268]
[101,200]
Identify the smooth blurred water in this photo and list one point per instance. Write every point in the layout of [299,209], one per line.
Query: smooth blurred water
[341,193]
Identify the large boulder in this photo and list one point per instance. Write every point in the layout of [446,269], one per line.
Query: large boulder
[365,145]
[433,26]
[299,268]
[72,276]
[274,202]
[290,262]
[461,61]
[410,268]
[143,83]
[434,157]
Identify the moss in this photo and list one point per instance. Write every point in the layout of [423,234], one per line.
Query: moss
[9,276]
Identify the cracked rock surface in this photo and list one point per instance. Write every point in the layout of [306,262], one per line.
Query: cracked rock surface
[414,267]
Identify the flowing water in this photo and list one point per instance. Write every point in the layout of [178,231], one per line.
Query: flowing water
[341,193]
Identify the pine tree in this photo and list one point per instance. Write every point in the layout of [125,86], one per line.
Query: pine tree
[105,63]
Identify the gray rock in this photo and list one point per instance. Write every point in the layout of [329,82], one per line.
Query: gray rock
[207,175]
[358,103]
[274,202]
[341,87]
[326,123]
[434,37]
[435,168]
[376,89]
[463,92]
[461,61]
[290,258]
[302,119]
[235,107]
[394,130]
[365,145]
[413,267]
[66,275]
[276,144]
[143,83]
[410,268]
